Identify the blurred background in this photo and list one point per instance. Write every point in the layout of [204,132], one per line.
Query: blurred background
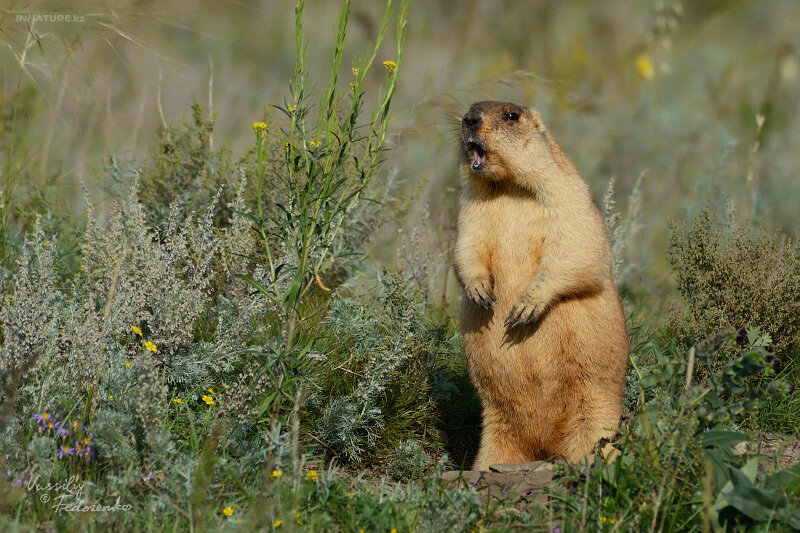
[701,98]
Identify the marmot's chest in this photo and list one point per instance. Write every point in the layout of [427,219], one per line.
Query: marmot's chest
[515,244]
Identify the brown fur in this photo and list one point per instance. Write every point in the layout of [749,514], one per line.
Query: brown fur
[542,322]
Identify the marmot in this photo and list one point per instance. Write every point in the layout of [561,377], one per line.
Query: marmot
[541,319]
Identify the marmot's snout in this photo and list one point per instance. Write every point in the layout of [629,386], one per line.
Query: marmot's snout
[473,144]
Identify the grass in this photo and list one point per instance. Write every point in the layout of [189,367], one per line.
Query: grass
[221,317]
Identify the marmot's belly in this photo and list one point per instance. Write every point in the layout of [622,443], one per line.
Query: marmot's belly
[528,367]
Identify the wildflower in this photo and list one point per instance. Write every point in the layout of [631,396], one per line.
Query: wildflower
[210,390]
[65,450]
[312,475]
[127,364]
[292,108]
[75,424]
[645,67]
[110,396]
[41,418]
[355,71]
[177,400]
[259,127]
[390,66]
[150,346]
[394,530]
[277,473]
[313,144]
[47,243]
[147,476]
[277,523]
[63,432]
[228,511]
[208,399]
[137,330]
[352,87]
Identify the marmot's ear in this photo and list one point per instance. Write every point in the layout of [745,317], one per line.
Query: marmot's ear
[537,120]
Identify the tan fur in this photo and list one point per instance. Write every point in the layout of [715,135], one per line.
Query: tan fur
[532,250]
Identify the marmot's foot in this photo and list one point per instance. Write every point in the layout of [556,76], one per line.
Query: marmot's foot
[480,292]
[525,312]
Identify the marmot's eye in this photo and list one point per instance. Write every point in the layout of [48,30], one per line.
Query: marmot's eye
[511,116]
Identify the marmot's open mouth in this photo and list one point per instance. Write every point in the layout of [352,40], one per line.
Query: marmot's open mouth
[478,155]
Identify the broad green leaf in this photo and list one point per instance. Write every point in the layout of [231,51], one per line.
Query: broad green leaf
[758,504]
[722,439]
[786,480]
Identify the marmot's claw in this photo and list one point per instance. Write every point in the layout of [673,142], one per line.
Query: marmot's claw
[523,313]
[481,295]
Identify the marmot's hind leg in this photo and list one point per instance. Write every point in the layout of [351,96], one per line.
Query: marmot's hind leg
[586,431]
[498,446]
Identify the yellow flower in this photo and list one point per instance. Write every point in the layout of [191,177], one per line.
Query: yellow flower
[47,243]
[208,399]
[84,267]
[150,346]
[137,330]
[45,416]
[228,511]
[352,87]
[277,473]
[128,364]
[110,396]
[177,400]
[312,475]
[355,71]
[645,67]
[292,108]
[390,66]
[277,523]
[259,127]
[210,390]
[393,530]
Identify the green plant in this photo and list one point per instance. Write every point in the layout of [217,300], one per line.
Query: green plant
[731,277]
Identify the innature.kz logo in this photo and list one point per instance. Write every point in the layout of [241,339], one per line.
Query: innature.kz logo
[48,17]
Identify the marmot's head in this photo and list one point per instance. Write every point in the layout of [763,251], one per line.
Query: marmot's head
[501,140]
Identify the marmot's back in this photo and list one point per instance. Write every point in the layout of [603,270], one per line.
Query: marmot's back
[542,322]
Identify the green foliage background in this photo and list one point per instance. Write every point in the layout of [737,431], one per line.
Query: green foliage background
[293,275]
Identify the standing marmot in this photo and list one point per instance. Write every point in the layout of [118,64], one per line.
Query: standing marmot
[542,322]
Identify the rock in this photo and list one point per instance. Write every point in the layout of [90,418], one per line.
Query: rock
[472,477]
[520,467]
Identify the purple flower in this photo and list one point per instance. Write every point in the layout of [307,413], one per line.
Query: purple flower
[63,432]
[17,482]
[65,450]
[8,473]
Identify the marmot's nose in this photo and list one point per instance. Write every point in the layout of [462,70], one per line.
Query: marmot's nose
[472,121]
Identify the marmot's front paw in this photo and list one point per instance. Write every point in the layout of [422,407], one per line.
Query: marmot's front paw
[481,293]
[525,312]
